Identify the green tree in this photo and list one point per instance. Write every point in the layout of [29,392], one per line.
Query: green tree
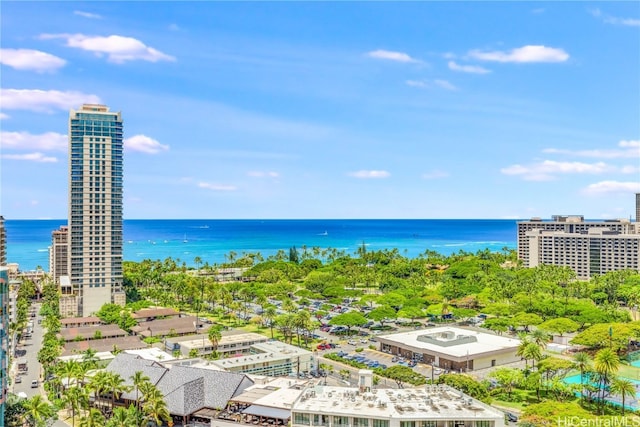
[349,320]
[582,361]
[624,388]
[138,379]
[400,374]
[38,411]
[215,335]
[75,398]
[606,364]
[560,325]
[92,419]
[467,385]
[382,313]
[508,378]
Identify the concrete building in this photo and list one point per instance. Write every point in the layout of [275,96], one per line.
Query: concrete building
[588,247]
[59,254]
[95,207]
[452,348]
[271,358]
[230,345]
[3,242]
[637,207]
[428,406]
[4,340]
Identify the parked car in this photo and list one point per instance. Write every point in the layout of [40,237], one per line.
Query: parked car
[18,379]
[352,342]
[324,346]
[34,384]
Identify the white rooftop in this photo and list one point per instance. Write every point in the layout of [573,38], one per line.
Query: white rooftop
[270,351]
[452,341]
[432,401]
[200,341]
[152,353]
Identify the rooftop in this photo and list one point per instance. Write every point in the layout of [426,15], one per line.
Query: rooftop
[432,401]
[269,351]
[456,342]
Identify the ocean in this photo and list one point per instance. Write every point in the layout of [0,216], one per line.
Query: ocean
[211,240]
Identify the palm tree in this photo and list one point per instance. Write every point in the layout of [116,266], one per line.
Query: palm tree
[532,351]
[215,335]
[155,409]
[68,370]
[92,419]
[75,398]
[582,361]
[624,388]
[37,411]
[540,337]
[270,313]
[99,383]
[128,417]
[606,364]
[138,378]
[115,384]
[89,358]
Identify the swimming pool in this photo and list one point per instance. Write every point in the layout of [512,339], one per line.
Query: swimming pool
[631,402]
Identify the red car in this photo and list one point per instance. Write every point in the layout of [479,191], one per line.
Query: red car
[324,346]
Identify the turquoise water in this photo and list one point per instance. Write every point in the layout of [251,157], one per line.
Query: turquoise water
[631,402]
[575,379]
[211,240]
[636,363]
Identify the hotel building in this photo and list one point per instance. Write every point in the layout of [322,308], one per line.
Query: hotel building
[59,254]
[588,247]
[4,339]
[95,207]
[428,406]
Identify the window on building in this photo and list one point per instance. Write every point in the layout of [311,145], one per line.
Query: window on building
[380,423]
[320,420]
[303,419]
[484,423]
[407,424]
[360,422]
[340,421]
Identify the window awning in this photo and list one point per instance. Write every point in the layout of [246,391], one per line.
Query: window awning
[267,412]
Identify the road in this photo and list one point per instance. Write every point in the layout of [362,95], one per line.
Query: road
[31,346]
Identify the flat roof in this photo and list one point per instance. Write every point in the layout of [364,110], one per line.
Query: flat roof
[431,402]
[198,341]
[451,341]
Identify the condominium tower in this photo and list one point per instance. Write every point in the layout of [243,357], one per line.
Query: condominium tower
[4,340]
[95,207]
[3,242]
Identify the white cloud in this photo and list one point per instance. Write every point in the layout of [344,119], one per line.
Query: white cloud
[118,49]
[523,54]
[3,116]
[44,100]
[87,14]
[32,157]
[629,149]
[391,56]
[425,84]
[444,84]
[144,144]
[50,141]
[537,11]
[217,187]
[474,69]
[547,169]
[417,83]
[367,174]
[435,174]
[29,59]
[606,187]
[261,174]
[174,27]
[614,20]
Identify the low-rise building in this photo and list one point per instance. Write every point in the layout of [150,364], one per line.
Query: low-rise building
[428,406]
[228,346]
[452,348]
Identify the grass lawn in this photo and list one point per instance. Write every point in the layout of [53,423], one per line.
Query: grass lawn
[629,371]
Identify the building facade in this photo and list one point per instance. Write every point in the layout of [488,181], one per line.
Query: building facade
[4,340]
[95,207]
[588,247]
[59,254]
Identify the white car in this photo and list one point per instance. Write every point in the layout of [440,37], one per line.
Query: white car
[352,342]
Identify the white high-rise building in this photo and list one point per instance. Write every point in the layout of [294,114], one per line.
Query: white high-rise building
[95,207]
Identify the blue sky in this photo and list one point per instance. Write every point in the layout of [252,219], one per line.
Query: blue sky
[330,110]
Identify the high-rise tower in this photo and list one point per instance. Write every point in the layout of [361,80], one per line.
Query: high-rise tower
[637,207]
[95,207]
[3,243]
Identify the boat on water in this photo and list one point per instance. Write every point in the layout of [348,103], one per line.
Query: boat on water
[323,234]
[185,238]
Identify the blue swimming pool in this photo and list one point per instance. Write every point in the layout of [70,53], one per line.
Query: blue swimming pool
[631,402]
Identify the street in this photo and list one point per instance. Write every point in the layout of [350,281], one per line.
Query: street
[30,348]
